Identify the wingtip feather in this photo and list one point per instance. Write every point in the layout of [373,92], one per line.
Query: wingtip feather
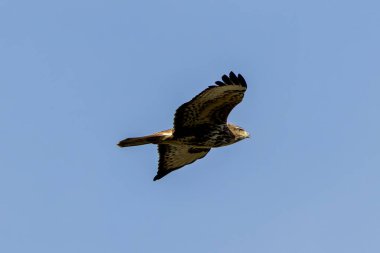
[232,79]
[226,79]
[242,80]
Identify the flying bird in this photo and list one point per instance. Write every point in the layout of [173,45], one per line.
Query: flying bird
[199,125]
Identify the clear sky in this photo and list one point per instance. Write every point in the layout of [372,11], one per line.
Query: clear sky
[78,76]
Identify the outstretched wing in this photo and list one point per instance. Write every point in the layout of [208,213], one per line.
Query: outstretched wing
[212,105]
[175,157]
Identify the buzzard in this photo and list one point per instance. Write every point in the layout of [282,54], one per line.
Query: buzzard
[199,125]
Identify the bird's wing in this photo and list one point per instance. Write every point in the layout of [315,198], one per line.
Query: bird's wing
[212,105]
[173,157]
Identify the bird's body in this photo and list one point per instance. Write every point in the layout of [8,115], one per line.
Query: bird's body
[199,125]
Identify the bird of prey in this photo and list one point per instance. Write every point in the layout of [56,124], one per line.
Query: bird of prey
[199,125]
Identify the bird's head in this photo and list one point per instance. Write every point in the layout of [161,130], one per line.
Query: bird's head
[240,133]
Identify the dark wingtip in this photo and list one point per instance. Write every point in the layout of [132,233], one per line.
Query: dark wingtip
[242,80]
[158,176]
[233,78]
[219,83]
[226,79]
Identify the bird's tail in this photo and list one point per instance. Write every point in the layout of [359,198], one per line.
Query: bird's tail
[155,138]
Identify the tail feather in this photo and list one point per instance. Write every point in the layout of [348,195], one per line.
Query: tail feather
[150,139]
[133,142]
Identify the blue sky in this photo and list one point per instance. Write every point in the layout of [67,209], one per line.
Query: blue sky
[78,76]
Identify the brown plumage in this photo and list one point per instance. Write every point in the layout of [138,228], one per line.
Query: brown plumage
[199,125]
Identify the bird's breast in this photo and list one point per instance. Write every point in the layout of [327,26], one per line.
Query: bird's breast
[206,137]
